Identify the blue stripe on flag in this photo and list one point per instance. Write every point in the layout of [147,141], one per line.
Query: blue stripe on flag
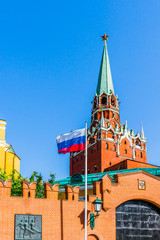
[71,142]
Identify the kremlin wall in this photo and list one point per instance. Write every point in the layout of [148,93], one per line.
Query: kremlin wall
[118,174]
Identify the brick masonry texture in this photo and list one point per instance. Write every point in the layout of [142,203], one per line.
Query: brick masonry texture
[64,219]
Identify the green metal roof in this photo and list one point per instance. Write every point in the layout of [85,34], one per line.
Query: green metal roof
[97,176]
[153,171]
[10,149]
[105,83]
[90,179]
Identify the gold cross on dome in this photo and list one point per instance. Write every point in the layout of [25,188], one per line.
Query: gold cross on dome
[105,37]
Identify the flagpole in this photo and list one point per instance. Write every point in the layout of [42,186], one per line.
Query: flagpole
[85,221]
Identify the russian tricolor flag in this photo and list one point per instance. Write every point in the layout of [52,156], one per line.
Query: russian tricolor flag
[71,142]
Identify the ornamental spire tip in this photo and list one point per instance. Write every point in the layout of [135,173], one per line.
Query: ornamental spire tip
[105,37]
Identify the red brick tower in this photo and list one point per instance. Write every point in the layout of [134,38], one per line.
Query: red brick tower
[111,145]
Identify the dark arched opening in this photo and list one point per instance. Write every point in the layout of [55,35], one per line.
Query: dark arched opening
[92,237]
[104,100]
[137,220]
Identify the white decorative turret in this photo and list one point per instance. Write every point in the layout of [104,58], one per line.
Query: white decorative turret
[116,128]
[142,132]
[132,133]
[102,121]
[126,125]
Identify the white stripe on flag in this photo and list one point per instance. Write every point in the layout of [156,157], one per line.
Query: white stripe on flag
[68,136]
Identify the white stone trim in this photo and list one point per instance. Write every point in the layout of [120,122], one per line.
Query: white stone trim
[126,158]
[126,136]
[104,109]
[118,148]
[89,187]
[109,140]
[4,123]
[138,147]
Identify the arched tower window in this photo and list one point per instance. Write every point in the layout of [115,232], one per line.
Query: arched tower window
[91,149]
[97,146]
[138,143]
[112,102]
[125,151]
[107,146]
[141,154]
[114,148]
[104,100]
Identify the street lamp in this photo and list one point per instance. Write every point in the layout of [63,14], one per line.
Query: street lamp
[97,205]
[97,208]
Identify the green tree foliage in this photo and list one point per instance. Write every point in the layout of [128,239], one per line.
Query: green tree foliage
[33,176]
[39,187]
[39,179]
[16,189]
[3,175]
[51,180]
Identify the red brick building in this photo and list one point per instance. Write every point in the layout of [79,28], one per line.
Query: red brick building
[111,145]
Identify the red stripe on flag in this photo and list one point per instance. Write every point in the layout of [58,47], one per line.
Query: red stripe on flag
[73,148]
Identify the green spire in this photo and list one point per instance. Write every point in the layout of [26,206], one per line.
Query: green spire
[105,83]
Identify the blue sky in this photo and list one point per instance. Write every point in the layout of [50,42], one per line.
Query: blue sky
[50,53]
